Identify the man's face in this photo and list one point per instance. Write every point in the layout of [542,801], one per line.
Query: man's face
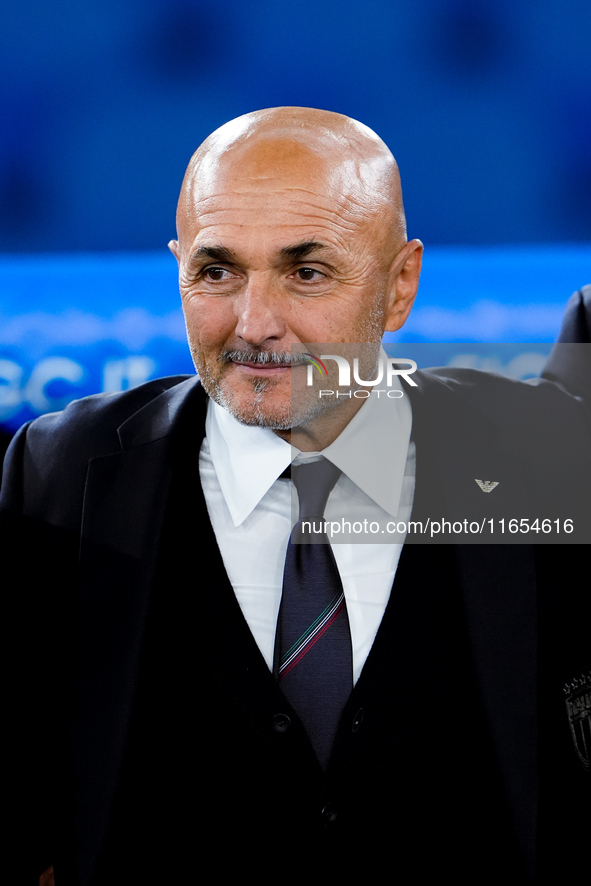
[276,248]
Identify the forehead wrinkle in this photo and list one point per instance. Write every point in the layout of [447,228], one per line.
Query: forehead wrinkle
[334,189]
[345,209]
[290,217]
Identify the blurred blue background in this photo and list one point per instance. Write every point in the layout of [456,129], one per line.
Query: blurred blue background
[487,108]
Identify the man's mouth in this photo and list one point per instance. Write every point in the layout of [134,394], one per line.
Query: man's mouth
[261,362]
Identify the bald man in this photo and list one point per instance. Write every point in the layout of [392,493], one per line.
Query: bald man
[160,735]
[291,229]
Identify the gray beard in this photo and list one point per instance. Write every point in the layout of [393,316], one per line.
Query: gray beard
[255,415]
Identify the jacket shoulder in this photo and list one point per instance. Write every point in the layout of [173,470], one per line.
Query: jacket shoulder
[507,402]
[55,449]
[93,421]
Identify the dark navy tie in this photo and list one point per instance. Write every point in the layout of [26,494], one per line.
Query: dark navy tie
[314,658]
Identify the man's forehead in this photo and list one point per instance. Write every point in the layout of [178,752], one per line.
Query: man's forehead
[284,182]
[279,224]
[283,162]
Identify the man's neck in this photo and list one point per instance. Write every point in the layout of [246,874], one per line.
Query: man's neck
[324,429]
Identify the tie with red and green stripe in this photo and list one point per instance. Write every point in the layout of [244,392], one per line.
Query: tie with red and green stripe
[314,660]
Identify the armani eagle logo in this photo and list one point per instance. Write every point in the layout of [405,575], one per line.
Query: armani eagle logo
[487,485]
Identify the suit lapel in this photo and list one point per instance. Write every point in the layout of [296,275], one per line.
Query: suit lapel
[206,607]
[124,504]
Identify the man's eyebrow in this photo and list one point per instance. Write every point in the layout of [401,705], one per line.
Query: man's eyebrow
[300,250]
[216,253]
[297,252]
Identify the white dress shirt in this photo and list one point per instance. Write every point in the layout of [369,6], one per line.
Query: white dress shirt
[250,508]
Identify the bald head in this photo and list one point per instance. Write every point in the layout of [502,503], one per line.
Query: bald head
[338,153]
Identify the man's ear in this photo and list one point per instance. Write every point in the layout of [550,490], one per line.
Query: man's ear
[403,282]
[174,248]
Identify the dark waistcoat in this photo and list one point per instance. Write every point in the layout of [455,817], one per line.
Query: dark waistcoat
[215,752]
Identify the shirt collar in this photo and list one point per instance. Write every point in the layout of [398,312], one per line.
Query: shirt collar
[373,448]
[247,460]
[371,451]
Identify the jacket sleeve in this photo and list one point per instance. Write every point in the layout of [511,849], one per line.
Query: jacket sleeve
[39,582]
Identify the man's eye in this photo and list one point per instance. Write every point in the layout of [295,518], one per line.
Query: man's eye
[309,274]
[215,274]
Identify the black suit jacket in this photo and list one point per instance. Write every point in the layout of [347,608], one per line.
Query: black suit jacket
[140,693]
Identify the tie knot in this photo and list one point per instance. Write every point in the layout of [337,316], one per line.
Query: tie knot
[314,481]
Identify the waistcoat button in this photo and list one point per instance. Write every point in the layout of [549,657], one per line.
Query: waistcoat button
[328,814]
[281,722]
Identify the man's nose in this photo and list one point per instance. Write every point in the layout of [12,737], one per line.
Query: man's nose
[259,312]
